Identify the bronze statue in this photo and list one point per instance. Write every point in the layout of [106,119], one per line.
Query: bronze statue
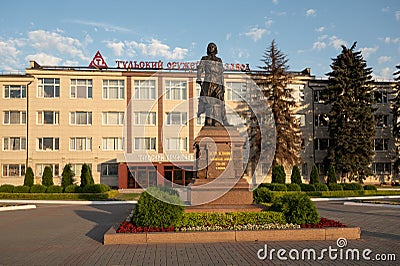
[211,101]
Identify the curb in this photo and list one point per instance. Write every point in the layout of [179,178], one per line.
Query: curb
[14,208]
[69,202]
[356,198]
[371,205]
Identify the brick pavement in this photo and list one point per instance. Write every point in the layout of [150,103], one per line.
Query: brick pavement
[72,235]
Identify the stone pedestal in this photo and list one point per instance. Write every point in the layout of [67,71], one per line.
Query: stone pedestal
[219,167]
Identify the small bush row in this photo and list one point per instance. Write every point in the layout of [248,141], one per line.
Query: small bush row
[92,188]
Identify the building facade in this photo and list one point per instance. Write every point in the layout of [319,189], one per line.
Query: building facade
[136,125]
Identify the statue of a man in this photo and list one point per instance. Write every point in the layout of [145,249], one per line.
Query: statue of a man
[212,92]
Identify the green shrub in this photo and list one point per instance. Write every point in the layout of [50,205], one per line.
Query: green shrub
[38,189]
[278,174]
[314,176]
[293,187]
[370,187]
[332,178]
[158,207]
[58,196]
[262,195]
[29,177]
[321,187]
[47,178]
[6,188]
[307,187]
[278,187]
[67,176]
[95,188]
[21,189]
[335,187]
[86,176]
[265,185]
[352,186]
[295,177]
[297,208]
[73,189]
[54,189]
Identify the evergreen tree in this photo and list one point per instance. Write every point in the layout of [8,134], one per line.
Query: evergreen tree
[29,177]
[47,178]
[351,120]
[396,116]
[314,176]
[86,176]
[295,178]
[67,176]
[278,174]
[283,105]
[331,175]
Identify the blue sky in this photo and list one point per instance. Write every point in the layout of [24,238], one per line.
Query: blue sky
[309,32]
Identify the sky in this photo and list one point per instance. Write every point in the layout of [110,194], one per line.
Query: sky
[309,32]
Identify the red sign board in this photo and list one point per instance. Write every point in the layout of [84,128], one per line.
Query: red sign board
[98,61]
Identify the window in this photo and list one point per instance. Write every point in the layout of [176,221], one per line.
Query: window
[145,89]
[176,118]
[381,96]
[48,88]
[381,144]
[81,118]
[381,121]
[113,89]
[304,169]
[14,144]
[109,169]
[51,144]
[321,144]
[13,169]
[113,118]
[202,118]
[48,117]
[301,119]
[176,144]
[381,168]
[175,90]
[112,144]
[142,176]
[318,96]
[14,117]
[15,91]
[235,91]
[80,144]
[321,120]
[77,169]
[54,167]
[145,143]
[145,118]
[81,88]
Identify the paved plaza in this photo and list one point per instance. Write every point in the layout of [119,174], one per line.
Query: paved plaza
[73,235]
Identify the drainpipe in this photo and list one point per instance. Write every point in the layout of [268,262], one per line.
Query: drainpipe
[27,124]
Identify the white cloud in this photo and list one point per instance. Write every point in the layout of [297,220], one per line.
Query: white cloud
[157,48]
[9,54]
[387,40]
[367,51]
[53,41]
[275,2]
[383,74]
[269,23]
[384,59]
[336,42]
[106,26]
[228,36]
[320,29]
[117,47]
[44,59]
[318,45]
[311,12]
[397,14]
[255,33]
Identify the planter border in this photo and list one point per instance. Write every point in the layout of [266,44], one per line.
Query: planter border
[111,237]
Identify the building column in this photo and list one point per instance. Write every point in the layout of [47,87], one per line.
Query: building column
[122,175]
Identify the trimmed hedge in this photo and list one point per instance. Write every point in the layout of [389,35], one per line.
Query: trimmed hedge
[6,188]
[60,196]
[321,187]
[370,187]
[95,188]
[335,187]
[278,187]
[73,189]
[262,195]
[54,189]
[352,186]
[307,187]
[21,189]
[38,189]
[293,187]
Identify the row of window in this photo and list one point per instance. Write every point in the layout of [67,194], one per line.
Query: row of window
[115,89]
[322,120]
[85,144]
[377,168]
[380,144]
[18,170]
[378,96]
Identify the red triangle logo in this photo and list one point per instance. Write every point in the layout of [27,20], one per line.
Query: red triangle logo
[98,61]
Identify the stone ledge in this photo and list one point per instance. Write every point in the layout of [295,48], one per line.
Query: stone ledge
[113,238]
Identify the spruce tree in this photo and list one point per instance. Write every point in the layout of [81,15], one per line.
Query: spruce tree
[295,178]
[283,105]
[67,176]
[396,115]
[278,174]
[314,176]
[29,177]
[331,175]
[86,176]
[47,178]
[351,120]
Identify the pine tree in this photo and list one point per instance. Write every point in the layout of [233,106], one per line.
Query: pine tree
[29,177]
[283,105]
[67,176]
[47,178]
[331,175]
[396,116]
[86,176]
[351,121]
[295,178]
[314,176]
[278,174]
